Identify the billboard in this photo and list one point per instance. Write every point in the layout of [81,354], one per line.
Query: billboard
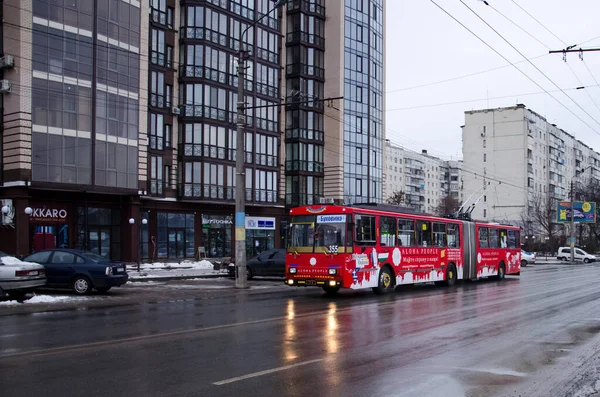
[584,212]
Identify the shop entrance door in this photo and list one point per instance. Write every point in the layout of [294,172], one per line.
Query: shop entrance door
[216,243]
[99,241]
[176,243]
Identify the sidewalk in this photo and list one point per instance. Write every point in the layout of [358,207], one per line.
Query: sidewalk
[171,271]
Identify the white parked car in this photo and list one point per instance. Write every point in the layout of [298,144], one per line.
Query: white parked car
[527,258]
[564,254]
[17,278]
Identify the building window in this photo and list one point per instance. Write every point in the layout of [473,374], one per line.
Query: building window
[192,180]
[156,175]
[214,181]
[358,155]
[160,13]
[359,94]
[484,157]
[484,143]
[265,186]
[359,63]
[157,89]
[168,133]
[158,49]
[156,131]
[175,235]
[359,33]
[358,187]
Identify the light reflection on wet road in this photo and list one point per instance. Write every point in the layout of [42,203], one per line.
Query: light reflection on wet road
[477,339]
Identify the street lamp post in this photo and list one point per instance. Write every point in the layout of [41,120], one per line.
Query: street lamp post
[241,278]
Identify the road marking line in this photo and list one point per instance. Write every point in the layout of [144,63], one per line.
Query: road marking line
[265,372]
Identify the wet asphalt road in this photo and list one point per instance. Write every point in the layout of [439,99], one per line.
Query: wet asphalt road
[533,335]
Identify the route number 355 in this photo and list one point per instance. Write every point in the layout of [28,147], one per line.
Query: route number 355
[333,249]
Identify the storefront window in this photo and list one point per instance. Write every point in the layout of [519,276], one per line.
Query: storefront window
[216,230]
[99,231]
[258,241]
[175,235]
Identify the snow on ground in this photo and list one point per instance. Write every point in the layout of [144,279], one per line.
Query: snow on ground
[142,283]
[44,299]
[201,265]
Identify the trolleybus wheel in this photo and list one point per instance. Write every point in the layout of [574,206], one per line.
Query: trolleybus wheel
[385,282]
[501,272]
[451,275]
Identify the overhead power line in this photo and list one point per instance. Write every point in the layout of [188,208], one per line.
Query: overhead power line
[532,64]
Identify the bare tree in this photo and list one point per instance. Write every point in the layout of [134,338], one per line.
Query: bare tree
[397,198]
[448,205]
[540,219]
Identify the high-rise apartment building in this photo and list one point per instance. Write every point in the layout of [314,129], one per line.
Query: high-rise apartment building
[119,129]
[518,161]
[334,148]
[121,121]
[424,180]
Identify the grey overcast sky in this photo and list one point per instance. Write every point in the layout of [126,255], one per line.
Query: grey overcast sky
[425,46]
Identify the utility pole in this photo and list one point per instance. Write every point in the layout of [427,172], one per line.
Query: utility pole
[241,277]
[572,228]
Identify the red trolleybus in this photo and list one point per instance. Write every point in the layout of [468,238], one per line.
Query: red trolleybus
[335,247]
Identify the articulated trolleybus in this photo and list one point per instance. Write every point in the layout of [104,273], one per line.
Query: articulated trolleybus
[335,247]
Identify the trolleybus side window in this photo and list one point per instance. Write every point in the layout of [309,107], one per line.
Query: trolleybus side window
[453,236]
[365,230]
[406,232]
[424,234]
[439,235]
[493,237]
[513,236]
[387,231]
[483,237]
[503,239]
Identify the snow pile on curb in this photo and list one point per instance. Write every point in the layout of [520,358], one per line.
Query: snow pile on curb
[44,299]
[202,265]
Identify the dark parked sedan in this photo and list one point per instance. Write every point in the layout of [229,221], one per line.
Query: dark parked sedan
[268,263]
[80,270]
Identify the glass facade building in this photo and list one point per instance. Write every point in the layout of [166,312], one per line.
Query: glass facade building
[363,100]
[84,103]
[305,78]
[210,40]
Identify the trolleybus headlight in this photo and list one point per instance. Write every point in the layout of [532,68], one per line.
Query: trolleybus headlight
[332,283]
[293,270]
[332,271]
[291,282]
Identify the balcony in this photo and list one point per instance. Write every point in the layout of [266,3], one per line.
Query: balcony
[306,7]
[297,199]
[160,101]
[161,17]
[304,133]
[209,113]
[200,33]
[294,69]
[304,166]
[305,38]
[160,59]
